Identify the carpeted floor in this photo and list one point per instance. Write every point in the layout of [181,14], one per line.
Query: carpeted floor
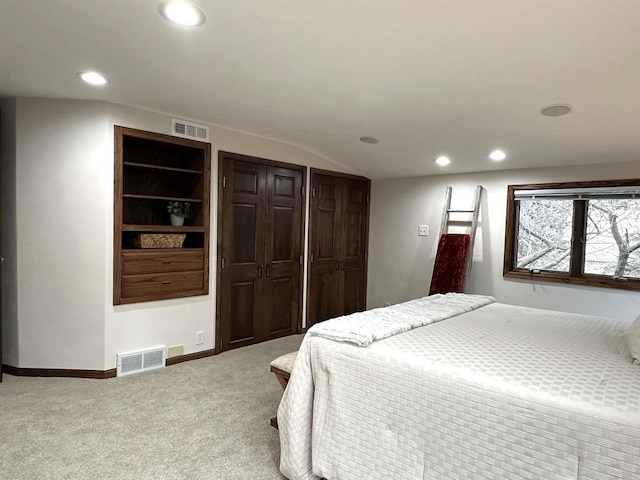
[204,419]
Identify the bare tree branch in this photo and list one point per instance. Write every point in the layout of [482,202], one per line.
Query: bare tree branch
[614,230]
[598,207]
[534,234]
[557,260]
[534,256]
[593,222]
[623,243]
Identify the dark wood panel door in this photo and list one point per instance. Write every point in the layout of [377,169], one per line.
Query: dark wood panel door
[324,249]
[1,258]
[260,248]
[282,250]
[338,240]
[353,248]
[243,217]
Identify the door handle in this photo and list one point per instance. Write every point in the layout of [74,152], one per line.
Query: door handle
[342,265]
[268,270]
[337,265]
[260,271]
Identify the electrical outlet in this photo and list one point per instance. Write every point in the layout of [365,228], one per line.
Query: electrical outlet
[423,230]
[200,337]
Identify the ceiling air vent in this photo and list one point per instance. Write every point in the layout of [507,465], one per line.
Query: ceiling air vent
[182,128]
[141,361]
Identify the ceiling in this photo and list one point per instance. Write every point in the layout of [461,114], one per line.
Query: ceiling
[426,78]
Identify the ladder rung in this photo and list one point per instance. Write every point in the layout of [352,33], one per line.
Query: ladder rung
[460,211]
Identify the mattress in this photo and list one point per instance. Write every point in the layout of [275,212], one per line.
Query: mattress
[502,392]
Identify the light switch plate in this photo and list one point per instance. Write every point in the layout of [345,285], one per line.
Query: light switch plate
[423,230]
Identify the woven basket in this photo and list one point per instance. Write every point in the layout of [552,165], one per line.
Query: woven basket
[158,240]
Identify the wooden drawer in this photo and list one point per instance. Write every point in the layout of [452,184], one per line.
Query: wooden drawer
[135,263]
[163,285]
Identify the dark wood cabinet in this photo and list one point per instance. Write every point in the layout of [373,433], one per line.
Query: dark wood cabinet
[338,241]
[260,249]
[151,170]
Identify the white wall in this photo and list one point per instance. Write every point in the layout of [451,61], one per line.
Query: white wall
[401,263]
[62,176]
[60,311]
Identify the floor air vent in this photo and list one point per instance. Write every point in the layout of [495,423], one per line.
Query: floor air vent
[181,128]
[135,362]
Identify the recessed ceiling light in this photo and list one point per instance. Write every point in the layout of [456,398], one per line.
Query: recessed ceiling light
[93,78]
[181,13]
[442,161]
[556,110]
[369,140]
[497,155]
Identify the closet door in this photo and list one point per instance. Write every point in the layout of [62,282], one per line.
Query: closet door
[260,246]
[353,248]
[1,257]
[282,252]
[324,248]
[243,218]
[338,239]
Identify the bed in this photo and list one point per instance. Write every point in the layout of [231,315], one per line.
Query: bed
[497,392]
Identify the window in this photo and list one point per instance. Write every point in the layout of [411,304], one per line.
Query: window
[584,232]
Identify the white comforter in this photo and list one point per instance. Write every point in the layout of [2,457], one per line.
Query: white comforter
[501,392]
[363,328]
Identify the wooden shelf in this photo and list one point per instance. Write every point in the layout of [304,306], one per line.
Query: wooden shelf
[154,168]
[161,250]
[158,197]
[161,168]
[162,228]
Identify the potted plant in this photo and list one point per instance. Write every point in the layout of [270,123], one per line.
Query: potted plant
[179,211]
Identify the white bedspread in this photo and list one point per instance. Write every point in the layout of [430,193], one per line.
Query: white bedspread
[501,392]
[362,328]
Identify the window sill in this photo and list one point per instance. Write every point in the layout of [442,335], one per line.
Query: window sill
[588,280]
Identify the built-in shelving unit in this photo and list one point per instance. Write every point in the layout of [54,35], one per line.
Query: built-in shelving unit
[151,170]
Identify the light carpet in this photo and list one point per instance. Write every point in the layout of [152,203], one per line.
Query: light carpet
[204,419]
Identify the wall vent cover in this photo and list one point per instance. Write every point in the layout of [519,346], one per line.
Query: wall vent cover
[182,128]
[141,361]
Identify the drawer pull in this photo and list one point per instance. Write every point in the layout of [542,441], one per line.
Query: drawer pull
[167,262]
[166,282]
